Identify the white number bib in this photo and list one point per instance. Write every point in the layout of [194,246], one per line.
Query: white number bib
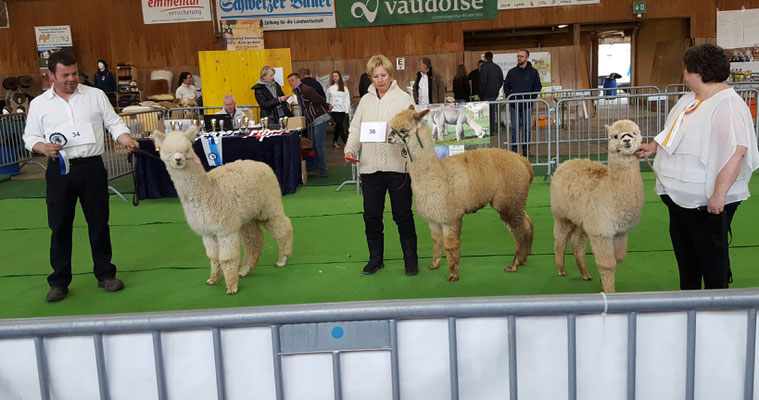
[373,132]
[72,135]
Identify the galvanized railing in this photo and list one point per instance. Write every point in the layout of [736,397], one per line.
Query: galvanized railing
[12,150]
[634,340]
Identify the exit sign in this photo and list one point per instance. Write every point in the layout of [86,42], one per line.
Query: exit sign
[639,7]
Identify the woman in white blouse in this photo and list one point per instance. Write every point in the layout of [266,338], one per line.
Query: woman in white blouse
[704,160]
[340,99]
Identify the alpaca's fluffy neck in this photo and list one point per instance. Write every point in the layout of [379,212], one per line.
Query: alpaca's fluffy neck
[192,183]
[624,168]
[424,158]
[623,164]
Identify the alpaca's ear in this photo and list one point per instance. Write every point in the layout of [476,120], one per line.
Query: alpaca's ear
[608,130]
[191,133]
[159,137]
[418,116]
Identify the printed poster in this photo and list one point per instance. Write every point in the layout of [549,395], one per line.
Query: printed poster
[242,34]
[280,15]
[51,39]
[541,61]
[458,127]
[173,11]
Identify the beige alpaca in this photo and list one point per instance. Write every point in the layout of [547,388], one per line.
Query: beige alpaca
[227,204]
[446,189]
[589,199]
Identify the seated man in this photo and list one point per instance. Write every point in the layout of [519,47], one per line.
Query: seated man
[230,108]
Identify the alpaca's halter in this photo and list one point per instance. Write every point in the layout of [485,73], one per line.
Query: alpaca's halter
[403,134]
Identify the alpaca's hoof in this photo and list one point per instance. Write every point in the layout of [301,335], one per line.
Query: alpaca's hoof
[453,277]
[244,271]
[212,282]
[511,268]
[232,291]
[434,266]
[587,278]
[281,263]
[562,273]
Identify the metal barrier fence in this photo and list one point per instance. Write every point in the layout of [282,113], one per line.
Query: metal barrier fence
[12,150]
[527,129]
[583,134]
[652,345]
[253,111]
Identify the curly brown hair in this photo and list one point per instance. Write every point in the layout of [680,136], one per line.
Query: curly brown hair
[709,61]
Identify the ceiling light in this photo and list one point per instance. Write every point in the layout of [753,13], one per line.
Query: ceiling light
[562,26]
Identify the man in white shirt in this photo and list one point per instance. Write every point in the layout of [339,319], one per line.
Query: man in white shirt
[186,89]
[66,124]
[230,108]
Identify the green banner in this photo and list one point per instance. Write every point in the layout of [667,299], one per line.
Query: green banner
[357,13]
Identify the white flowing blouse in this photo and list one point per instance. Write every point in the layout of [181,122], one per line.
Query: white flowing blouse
[705,140]
[340,101]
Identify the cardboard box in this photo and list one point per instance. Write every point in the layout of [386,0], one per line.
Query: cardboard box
[295,123]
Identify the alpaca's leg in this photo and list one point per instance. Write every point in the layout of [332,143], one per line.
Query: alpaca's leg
[620,247]
[520,226]
[282,230]
[460,129]
[603,250]
[229,258]
[253,242]
[212,251]
[578,249]
[562,229]
[436,231]
[452,234]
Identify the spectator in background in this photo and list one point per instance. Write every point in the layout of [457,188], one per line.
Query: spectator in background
[461,84]
[186,89]
[316,109]
[363,84]
[85,80]
[429,87]
[230,108]
[305,77]
[491,80]
[521,79]
[270,98]
[340,100]
[474,78]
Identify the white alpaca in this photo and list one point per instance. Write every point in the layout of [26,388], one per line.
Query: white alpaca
[589,199]
[226,204]
[446,189]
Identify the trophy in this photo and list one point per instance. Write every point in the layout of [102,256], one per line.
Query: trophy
[284,122]
[265,122]
[213,124]
[173,125]
[195,123]
[281,122]
[245,123]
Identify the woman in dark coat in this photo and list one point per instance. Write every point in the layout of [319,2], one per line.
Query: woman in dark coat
[270,98]
[461,85]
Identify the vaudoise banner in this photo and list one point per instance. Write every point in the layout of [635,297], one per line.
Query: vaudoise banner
[357,13]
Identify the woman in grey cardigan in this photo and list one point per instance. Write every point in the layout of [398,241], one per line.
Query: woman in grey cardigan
[382,167]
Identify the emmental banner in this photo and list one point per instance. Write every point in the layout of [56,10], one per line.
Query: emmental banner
[358,13]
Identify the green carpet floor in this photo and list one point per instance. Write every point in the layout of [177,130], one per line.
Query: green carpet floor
[164,266]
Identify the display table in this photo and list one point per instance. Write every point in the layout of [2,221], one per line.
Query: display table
[281,153]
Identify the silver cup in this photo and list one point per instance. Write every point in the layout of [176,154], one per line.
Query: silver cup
[213,124]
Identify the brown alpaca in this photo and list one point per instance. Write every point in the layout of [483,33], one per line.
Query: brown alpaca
[446,189]
[589,199]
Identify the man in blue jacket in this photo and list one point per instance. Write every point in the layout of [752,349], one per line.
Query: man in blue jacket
[521,79]
[491,79]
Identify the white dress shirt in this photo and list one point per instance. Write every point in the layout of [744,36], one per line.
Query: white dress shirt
[708,138]
[424,90]
[87,105]
[340,101]
[186,92]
